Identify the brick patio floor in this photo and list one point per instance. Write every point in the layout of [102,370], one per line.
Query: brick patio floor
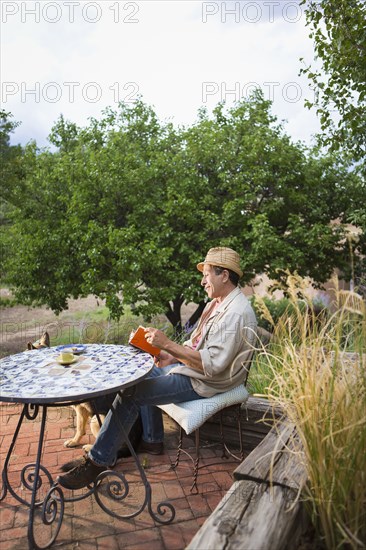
[85,524]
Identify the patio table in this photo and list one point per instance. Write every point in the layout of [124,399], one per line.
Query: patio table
[36,379]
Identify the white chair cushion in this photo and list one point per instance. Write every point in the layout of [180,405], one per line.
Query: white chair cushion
[192,414]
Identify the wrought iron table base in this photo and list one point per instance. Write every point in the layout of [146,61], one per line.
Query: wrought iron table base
[53,504]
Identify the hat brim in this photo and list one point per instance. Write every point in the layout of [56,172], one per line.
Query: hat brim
[201,265]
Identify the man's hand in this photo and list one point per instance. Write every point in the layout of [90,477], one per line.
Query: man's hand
[156,337]
[164,359]
[180,353]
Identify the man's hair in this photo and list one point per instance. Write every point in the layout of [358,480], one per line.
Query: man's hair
[234,277]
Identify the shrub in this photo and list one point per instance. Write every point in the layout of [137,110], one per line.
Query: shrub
[274,310]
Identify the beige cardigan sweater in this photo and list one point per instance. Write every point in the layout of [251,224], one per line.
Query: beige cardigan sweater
[226,346]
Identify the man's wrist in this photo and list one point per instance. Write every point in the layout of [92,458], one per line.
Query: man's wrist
[169,347]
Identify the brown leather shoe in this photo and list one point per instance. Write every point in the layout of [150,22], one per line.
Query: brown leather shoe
[82,475]
[151,448]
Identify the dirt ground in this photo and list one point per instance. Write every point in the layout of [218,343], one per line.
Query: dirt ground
[21,324]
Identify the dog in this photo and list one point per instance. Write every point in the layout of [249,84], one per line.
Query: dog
[86,411]
[43,342]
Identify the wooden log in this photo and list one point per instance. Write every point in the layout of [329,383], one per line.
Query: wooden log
[261,510]
[252,516]
[276,460]
[290,470]
[221,524]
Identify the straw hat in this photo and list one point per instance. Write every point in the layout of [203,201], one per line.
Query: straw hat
[222,257]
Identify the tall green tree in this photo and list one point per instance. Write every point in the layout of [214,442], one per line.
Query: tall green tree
[126,207]
[10,178]
[272,199]
[338,30]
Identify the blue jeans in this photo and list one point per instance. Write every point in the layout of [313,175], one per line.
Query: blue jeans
[158,388]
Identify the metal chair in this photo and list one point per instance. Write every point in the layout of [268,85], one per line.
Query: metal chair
[191,415]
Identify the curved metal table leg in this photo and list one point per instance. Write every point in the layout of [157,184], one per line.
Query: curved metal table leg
[118,489]
[4,474]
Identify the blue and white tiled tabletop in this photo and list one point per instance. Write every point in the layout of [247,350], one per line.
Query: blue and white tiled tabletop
[36,377]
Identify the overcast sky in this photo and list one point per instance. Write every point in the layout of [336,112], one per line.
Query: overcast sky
[78,57]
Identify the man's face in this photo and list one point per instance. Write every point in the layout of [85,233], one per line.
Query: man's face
[214,284]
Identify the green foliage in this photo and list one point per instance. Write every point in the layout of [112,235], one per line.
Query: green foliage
[127,206]
[261,375]
[10,177]
[7,302]
[6,127]
[10,163]
[338,31]
[357,245]
[277,309]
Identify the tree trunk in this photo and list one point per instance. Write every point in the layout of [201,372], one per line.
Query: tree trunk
[195,315]
[173,314]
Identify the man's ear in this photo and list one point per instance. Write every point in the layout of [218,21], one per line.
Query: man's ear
[225,276]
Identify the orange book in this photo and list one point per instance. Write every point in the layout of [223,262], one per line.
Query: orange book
[138,340]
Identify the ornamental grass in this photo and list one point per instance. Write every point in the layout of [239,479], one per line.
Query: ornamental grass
[318,376]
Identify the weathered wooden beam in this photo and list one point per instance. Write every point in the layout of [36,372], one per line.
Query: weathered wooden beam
[262,509]
[277,459]
[252,516]
[219,527]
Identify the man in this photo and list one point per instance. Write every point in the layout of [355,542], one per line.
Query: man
[212,361]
